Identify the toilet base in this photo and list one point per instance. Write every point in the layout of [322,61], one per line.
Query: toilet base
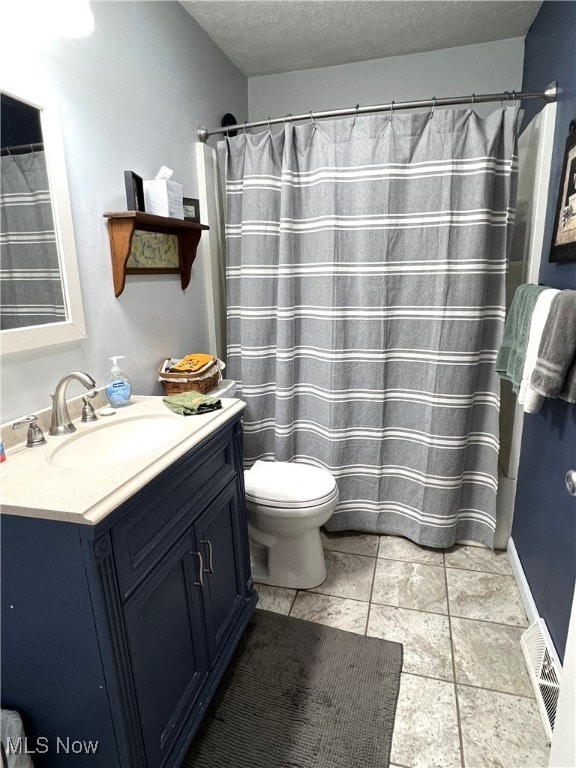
[292,562]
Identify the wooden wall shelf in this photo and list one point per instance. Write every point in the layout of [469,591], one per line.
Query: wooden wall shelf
[121,228]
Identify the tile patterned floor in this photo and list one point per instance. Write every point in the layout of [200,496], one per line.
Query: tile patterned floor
[465,697]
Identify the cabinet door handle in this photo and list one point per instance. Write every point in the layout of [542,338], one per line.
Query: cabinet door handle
[210,569]
[200,569]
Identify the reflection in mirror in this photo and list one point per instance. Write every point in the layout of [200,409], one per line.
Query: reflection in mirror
[30,277]
[39,283]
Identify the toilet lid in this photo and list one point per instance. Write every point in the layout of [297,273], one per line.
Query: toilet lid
[284,483]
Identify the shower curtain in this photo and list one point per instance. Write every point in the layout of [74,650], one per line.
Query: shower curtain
[31,282]
[366,263]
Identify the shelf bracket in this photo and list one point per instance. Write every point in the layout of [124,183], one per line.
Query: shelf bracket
[121,233]
[187,245]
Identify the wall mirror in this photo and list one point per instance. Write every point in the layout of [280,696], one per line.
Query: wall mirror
[40,295]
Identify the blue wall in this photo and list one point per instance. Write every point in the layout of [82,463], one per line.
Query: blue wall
[544,529]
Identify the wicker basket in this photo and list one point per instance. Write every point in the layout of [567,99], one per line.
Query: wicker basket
[176,383]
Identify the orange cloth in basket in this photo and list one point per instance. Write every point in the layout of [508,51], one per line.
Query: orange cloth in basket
[195,363]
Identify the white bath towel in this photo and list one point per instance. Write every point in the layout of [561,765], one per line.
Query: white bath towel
[529,398]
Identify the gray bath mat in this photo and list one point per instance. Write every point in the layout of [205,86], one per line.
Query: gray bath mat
[301,695]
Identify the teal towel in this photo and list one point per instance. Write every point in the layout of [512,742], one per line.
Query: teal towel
[512,353]
[192,403]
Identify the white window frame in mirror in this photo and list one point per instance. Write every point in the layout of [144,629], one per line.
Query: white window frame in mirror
[73,328]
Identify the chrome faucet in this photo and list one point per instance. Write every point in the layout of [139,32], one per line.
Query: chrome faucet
[61,424]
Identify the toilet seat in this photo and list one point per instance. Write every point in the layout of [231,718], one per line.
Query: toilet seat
[312,509]
[285,486]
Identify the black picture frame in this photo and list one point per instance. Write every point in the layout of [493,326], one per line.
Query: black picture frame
[563,247]
[134,191]
[191,209]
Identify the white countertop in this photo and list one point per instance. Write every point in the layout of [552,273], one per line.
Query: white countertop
[34,487]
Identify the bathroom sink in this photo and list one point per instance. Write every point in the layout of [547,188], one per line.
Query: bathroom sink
[117,441]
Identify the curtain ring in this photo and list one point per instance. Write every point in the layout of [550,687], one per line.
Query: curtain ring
[288,117]
[513,95]
[431,115]
[473,99]
[269,126]
[312,118]
[391,110]
[505,103]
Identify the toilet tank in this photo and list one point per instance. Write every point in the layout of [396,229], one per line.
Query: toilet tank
[226,388]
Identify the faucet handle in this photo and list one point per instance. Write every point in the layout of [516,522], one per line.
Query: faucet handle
[88,412]
[35,436]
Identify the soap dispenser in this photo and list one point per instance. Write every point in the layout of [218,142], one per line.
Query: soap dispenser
[118,389]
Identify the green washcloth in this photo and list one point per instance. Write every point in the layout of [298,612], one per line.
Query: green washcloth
[512,353]
[192,403]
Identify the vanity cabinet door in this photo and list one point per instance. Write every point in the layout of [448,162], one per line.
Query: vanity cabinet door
[164,626]
[221,537]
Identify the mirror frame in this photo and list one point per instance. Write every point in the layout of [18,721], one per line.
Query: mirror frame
[73,328]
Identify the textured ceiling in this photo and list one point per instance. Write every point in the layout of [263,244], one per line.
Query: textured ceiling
[263,37]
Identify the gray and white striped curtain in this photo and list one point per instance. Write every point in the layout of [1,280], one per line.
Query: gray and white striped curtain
[366,264]
[30,277]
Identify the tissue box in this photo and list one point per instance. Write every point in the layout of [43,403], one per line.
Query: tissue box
[163,197]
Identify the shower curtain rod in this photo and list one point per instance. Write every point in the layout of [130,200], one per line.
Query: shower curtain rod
[548,95]
[19,149]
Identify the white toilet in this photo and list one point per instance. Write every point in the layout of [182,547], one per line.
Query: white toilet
[287,503]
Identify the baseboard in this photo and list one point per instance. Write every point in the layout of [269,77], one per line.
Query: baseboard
[524,588]
[528,599]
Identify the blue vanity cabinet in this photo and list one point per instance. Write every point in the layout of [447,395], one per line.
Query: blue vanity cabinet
[224,569]
[166,645]
[119,633]
[178,621]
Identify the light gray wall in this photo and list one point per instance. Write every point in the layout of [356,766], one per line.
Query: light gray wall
[483,68]
[131,97]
